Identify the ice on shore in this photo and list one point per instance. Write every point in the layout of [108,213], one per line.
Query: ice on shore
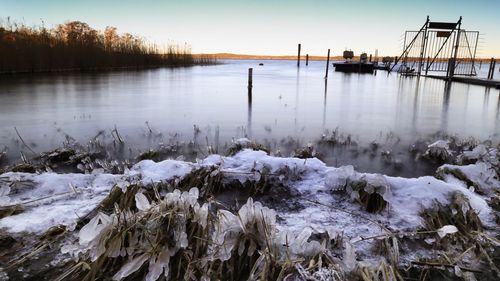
[480,176]
[51,199]
[68,197]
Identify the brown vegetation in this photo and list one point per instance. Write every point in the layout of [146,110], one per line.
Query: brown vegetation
[75,45]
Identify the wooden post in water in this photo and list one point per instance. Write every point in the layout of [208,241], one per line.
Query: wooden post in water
[250,82]
[327,63]
[307,59]
[298,57]
[427,65]
[490,69]
[493,68]
[451,69]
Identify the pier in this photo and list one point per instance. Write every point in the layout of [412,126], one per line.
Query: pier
[469,80]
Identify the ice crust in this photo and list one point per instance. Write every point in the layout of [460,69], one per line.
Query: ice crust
[71,196]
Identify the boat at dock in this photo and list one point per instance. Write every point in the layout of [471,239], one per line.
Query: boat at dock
[357,67]
[361,66]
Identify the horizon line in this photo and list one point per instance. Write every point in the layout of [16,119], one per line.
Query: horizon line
[225,55]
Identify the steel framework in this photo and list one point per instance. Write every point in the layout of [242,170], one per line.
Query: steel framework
[439,47]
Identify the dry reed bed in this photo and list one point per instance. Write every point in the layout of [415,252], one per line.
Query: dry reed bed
[76,46]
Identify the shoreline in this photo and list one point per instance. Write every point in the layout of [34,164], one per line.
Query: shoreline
[290,57]
[98,69]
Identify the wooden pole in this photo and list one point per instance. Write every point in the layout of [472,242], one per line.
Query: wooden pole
[493,68]
[298,57]
[489,69]
[307,59]
[327,63]
[457,45]
[448,69]
[250,84]
[427,65]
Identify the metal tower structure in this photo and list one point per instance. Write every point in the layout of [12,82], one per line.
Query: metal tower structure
[439,47]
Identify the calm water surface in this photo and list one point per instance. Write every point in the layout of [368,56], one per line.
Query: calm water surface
[287,101]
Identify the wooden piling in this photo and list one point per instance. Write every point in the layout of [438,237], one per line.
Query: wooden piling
[489,69]
[493,68]
[250,84]
[298,57]
[427,65]
[449,69]
[327,63]
[307,59]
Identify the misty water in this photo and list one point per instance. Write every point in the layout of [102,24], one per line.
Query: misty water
[287,102]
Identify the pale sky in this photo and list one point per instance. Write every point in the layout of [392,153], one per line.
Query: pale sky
[270,27]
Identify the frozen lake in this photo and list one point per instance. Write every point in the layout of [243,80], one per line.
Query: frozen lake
[287,101]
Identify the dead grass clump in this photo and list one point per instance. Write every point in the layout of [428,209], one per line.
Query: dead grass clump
[6,211]
[388,247]
[336,138]
[123,199]
[165,151]
[457,173]
[149,155]
[440,268]
[242,245]
[458,213]
[209,181]
[161,237]
[305,152]
[247,246]
[59,155]
[246,144]
[382,272]
[23,168]
[370,192]
[229,188]
[439,151]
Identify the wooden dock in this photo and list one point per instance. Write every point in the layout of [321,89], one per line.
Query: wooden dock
[470,80]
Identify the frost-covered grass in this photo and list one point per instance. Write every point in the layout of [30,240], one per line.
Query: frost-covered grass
[305,220]
[111,152]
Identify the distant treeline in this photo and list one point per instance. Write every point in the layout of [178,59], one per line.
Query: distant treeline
[75,45]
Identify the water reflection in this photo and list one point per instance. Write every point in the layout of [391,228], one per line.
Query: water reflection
[486,97]
[415,108]
[498,107]
[297,102]
[249,113]
[324,106]
[445,107]
[288,102]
